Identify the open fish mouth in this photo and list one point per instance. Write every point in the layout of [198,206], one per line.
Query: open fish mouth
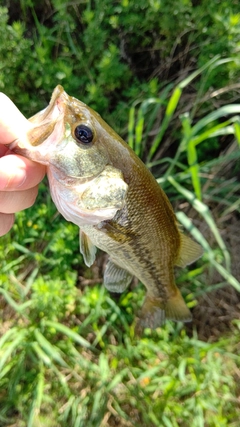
[47,126]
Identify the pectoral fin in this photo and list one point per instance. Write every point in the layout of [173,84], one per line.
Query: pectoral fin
[116,279]
[87,249]
[190,251]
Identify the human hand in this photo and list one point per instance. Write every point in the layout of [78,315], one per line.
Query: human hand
[19,177]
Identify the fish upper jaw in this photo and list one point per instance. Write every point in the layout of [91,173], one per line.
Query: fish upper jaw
[46,129]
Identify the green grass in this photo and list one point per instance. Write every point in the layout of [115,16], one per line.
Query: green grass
[52,376]
[68,353]
[96,372]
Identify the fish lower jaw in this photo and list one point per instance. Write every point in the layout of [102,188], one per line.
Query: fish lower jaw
[32,154]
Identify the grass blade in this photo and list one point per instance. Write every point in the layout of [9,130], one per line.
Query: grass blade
[139,132]
[131,121]
[42,356]
[18,308]
[37,400]
[71,334]
[171,107]
[6,353]
[194,168]
[215,115]
[49,349]
[237,132]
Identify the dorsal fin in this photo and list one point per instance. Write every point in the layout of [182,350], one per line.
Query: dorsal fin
[190,251]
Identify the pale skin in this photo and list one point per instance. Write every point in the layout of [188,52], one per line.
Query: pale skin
[19,177]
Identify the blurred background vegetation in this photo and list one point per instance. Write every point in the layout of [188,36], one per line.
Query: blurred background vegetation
[166,76]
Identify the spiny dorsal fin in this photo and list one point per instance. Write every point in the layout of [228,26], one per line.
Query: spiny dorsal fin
[190,251]
[87,249]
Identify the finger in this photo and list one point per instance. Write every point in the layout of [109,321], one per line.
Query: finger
[13,124]
[3,150]
[6,223]
[15,201]
[19,173]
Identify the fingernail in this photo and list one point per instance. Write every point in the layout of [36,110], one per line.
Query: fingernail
[21,182]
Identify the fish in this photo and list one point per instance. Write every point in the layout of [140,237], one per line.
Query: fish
[98,183]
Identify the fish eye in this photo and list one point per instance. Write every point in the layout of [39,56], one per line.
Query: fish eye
[83,134]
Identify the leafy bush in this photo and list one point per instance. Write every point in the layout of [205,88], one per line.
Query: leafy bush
[109,54]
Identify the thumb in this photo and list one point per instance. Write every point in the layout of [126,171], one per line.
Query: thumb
[13,124]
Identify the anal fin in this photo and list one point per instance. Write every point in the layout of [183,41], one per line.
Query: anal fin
[116,279]
[87,249]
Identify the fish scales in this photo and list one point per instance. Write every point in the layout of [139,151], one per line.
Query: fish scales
[98,183]
[151,243]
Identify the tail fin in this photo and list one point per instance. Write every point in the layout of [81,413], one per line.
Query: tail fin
[154,311]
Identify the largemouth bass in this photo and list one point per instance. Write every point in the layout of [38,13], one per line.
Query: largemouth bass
[98,182]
